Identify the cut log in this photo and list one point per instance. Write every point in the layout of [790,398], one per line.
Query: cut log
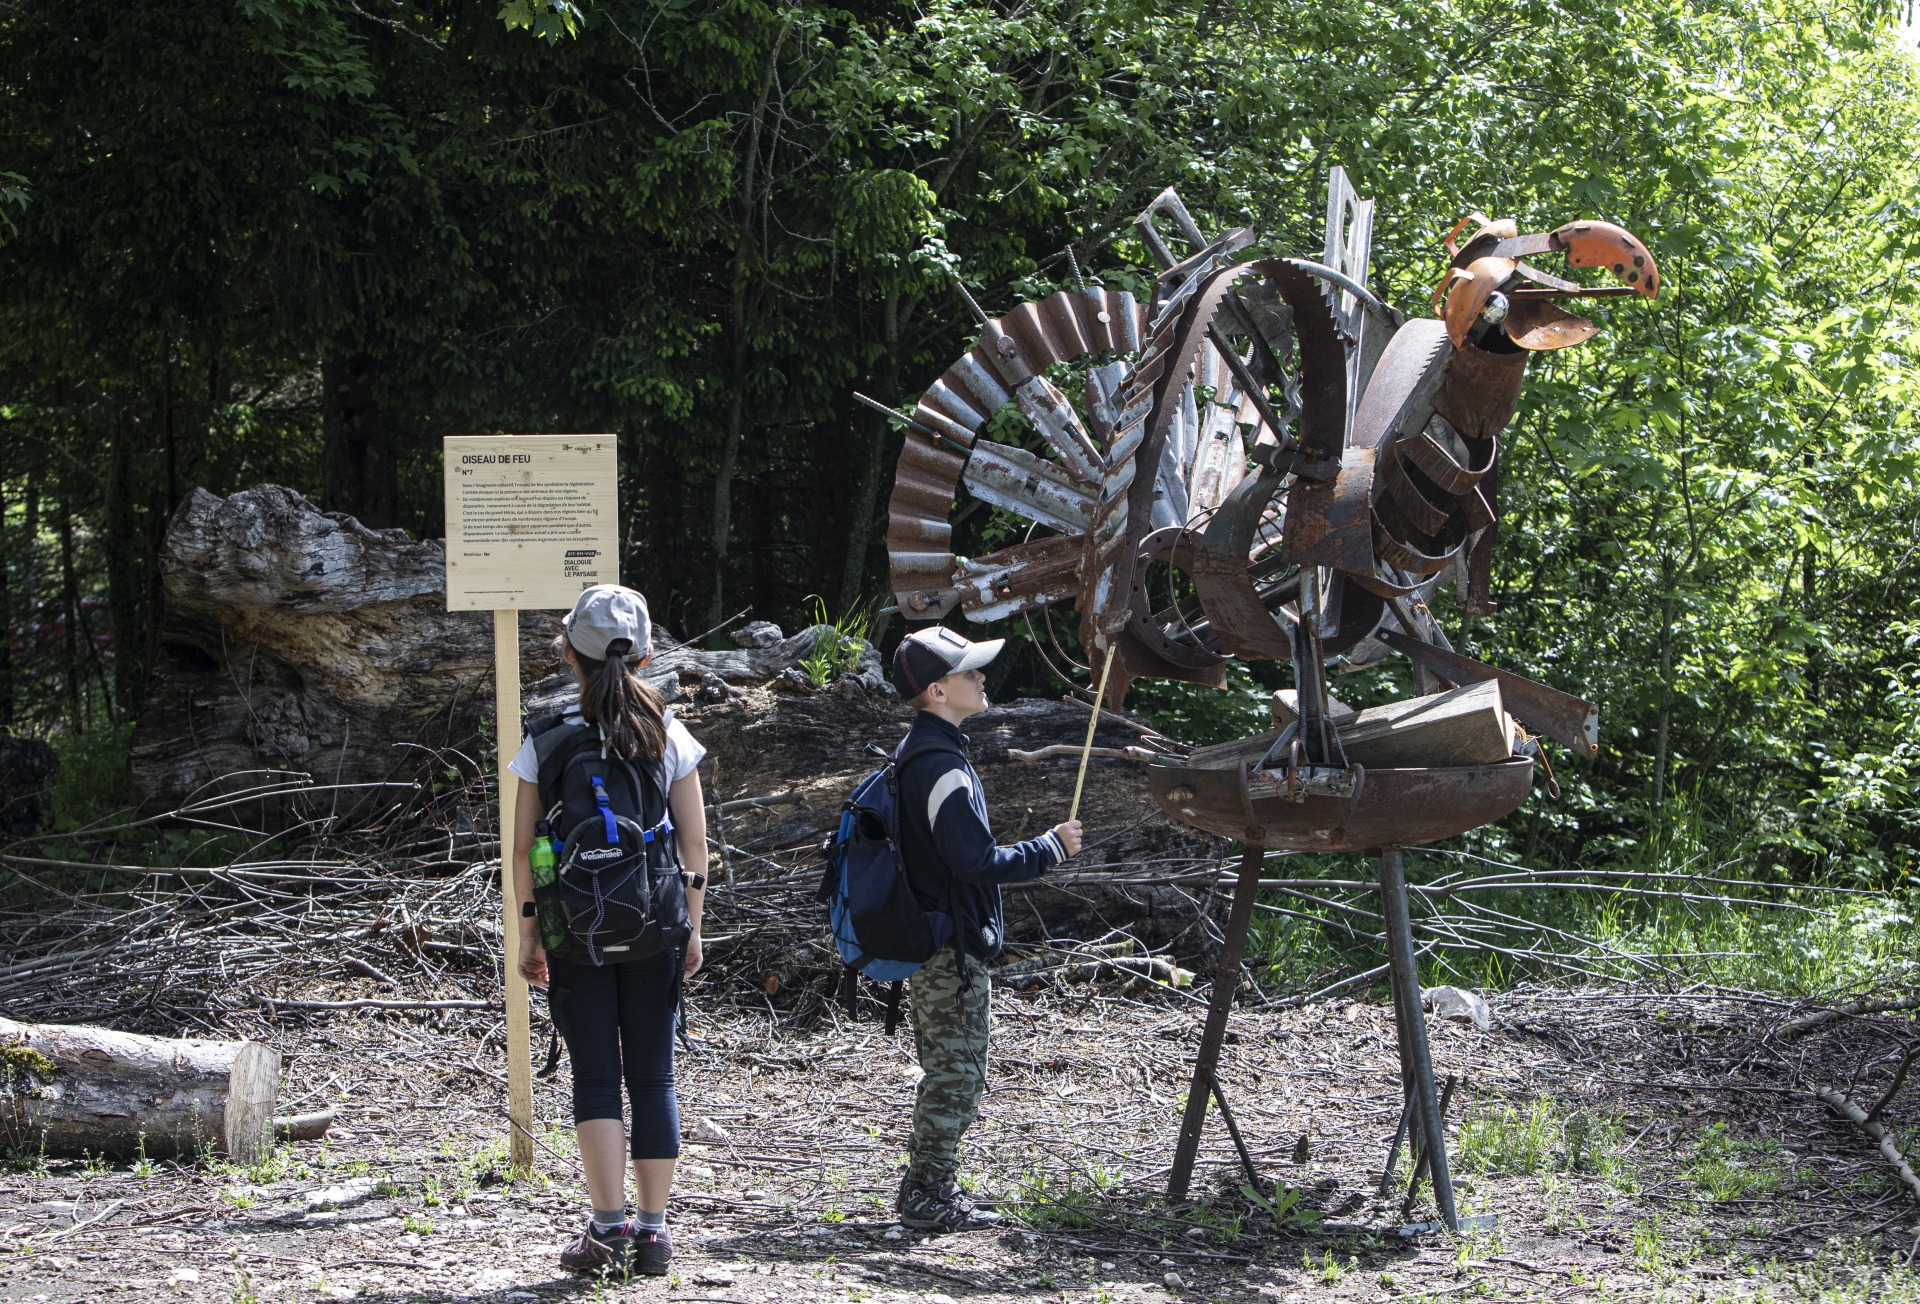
[74,1091]
[1462,726]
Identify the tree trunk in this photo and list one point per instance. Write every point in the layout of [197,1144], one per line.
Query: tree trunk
[1668,610]
[362,475]
[77,1091]
[752,196]
[125,585]
[70,614]
[30,565]
[6,605]
[866,495]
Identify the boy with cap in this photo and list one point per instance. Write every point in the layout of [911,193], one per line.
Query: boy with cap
[954,867]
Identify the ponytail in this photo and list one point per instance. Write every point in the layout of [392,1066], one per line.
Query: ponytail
[630,714]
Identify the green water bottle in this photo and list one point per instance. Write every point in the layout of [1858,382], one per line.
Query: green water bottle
[540,856]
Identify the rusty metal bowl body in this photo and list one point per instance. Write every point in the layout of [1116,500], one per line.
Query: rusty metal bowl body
[1388,808]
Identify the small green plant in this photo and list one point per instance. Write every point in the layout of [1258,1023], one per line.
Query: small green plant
[1330,1270]
[243,1197]
[1728,1169]
[96,1166]
[272,1165]
[1650,1248]
[838,643]
[417,1225]
[1283,1207]
[29,1159]
[1071,1199]
[1502,1142]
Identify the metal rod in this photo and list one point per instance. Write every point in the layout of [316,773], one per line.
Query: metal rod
[1393,1151]
[1416,1057]
[978,315]
[1345,282]
[910,423]
[1252,388]
[1233,1130]
[1423,1163]
[1226,978]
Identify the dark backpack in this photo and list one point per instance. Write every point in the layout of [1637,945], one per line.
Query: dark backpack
[617,892]
[880,928]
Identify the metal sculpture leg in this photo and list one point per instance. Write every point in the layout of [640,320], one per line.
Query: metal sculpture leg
[1416,1059]
[1226,979]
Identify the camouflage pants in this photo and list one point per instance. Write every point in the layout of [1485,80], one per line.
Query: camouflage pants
[951,1022]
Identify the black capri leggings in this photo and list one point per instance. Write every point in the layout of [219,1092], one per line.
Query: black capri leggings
[618,1022]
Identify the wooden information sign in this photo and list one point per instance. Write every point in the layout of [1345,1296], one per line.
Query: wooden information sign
[531,521]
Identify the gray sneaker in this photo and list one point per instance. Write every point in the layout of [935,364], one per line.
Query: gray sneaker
[941,1206]
[596,1251]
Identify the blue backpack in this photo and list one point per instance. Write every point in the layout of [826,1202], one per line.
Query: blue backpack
[879,927]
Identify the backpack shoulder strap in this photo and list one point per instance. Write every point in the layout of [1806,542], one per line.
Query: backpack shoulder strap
[544,723]
[552,749]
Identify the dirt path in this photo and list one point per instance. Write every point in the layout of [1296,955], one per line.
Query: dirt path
[1631,1171]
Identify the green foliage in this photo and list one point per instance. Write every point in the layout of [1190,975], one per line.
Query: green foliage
[1729,1169]
[1283,1207]
[298,240]
[838,644]
[1198,715]
[1072,1198]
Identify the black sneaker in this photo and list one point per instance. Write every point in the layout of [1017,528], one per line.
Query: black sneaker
[652,1251]
[597,1251]
[941,1207]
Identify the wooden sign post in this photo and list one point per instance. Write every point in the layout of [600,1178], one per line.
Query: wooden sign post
[531,521]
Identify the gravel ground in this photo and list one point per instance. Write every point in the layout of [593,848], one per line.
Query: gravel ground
[1628,1143]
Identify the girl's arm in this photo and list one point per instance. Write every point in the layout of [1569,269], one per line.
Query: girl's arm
[526,815]
[689,812]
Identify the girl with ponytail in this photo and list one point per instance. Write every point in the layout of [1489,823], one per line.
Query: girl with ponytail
[618,1017]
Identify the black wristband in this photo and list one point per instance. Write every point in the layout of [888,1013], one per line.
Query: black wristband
[526,909]
[697,882]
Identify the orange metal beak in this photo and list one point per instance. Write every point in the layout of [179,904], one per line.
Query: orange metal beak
[1602,244]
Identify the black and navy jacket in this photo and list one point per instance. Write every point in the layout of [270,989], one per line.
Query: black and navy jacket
[952,861]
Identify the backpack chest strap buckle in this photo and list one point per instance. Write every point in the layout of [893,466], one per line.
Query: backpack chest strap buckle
[605,804]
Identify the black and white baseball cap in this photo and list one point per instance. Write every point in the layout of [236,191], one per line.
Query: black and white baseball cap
[934,653]
[608,620]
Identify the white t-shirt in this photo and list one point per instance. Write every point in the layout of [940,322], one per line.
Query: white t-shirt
[683,752]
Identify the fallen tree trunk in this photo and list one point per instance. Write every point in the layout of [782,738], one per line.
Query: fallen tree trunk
[300,640]
[74,1091]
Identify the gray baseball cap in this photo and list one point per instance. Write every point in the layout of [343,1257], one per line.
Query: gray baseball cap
[609,620]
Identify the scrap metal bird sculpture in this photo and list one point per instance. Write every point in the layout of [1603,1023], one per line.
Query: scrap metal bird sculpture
[1301,466]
